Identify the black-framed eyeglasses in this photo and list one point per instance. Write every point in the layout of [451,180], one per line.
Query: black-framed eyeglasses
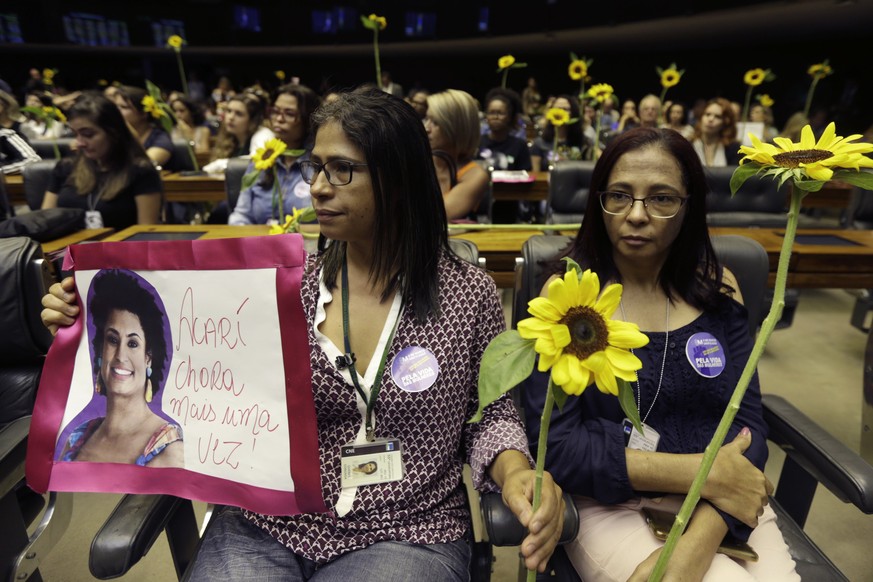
[338,172]
[658,206]
[286,113]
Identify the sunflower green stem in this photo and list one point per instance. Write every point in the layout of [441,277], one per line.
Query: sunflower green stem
[182,72]
[733,406]
[376,55]
[809,95]
[745,115]
[545,419]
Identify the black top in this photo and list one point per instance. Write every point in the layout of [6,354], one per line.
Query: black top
[118,213]
[509,154]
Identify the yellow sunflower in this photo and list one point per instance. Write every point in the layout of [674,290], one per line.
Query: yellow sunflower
[601,91]
[266,156]
[670,78]
[755,77]
[557,116]
[150,105]
[380,21]
[765,100]
[820,70]
[809,159]
[578,339]
[505,61]
[280,74]
[175,41]
[578,70]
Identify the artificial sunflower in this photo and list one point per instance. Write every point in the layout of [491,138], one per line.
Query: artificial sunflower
[48,76]
[175,41]
[601,91]
[557,116]
[578,70]
[765,100]
[505,62]
[292,221]
[150,106]
[280,75]
[670,78]
[54,113]
[809,159]
[266,156]
[577,338]
[755,77]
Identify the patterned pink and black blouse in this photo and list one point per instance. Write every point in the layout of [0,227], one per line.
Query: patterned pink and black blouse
[429,504]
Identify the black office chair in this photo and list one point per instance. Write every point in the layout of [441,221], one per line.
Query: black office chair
[36,178]
[759,203]
[23,345]
[569,182]
[182,161]
[233,175]
[813,456]
[46,147]
[860,216]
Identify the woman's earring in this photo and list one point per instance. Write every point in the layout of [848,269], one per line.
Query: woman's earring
[148,393]
[98,377]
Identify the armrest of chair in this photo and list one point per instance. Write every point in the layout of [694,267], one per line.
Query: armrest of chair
[132,528]
[827,460]
[504,529]
[13,447]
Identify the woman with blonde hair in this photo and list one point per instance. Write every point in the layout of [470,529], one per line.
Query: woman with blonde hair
[452,125]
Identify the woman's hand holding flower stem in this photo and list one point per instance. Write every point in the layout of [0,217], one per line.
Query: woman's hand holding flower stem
[544,522]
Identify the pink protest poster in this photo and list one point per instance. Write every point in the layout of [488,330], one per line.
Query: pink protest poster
[186,373]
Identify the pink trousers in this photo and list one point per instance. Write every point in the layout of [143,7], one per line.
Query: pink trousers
[614,539]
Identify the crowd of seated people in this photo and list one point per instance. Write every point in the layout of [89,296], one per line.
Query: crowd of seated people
[503,130]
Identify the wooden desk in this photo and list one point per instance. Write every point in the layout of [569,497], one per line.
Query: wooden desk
[834,194]
[811,266]
[178,188]
[75,238]
[535,191]
[15,188]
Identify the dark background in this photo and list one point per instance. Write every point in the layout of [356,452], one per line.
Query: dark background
[715,41]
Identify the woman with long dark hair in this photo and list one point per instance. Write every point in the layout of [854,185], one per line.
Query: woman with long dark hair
[110,176]
[645,228]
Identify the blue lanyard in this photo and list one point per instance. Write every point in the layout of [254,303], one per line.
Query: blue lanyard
[347,360]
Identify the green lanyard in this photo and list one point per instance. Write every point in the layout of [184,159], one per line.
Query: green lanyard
[347,360]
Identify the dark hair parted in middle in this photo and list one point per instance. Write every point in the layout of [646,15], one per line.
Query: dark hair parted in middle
[410,223]
[119,290]
[691,268]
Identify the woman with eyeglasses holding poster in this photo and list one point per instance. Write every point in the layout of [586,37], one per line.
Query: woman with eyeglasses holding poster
[385,293]
[264,202]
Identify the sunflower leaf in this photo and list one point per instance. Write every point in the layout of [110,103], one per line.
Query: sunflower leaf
[507,361]
[809,185]
[626,400]
[741,174]
[249,179]
[571,264]
[860,179]
[559,395]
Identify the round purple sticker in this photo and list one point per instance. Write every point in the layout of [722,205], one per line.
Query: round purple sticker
[414,369]
[705,354]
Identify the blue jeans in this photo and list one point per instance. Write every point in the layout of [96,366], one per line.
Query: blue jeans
[234,549]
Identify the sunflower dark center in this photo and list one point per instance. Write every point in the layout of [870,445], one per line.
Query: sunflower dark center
[795,158]
[268,153]
[588,331]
